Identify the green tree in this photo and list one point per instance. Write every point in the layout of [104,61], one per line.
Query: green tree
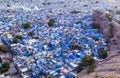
[110,17]
[51,77]
[103,54]
[5,67]
[96,26]
[87,61]
[26,25]
[90,69]
[96,39]
[31,33]
[3,48]
[19,36]
[51,22]
[36,37]
[15,40]
[75,47]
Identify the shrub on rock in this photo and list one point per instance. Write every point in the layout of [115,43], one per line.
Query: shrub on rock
[110,17]
[88,61]
[96,26]
[90,69]
[103,54]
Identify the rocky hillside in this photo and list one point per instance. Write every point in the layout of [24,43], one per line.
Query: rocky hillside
[110,27]
[107,69]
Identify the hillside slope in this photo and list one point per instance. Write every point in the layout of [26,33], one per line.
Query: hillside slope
[111,65]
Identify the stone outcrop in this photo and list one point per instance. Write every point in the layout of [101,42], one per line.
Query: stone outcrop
[109,26]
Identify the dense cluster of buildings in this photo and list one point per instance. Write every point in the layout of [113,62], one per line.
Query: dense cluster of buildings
[48,51]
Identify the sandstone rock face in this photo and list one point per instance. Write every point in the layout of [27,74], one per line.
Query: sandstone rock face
[109,26]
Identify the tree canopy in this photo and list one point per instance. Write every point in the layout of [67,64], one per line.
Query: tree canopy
[103,54]
[26,25]
[51,22]
[75,47]
[51,77]
[19,36]
[5,67]
[31,33]
[3,48]
[90,69]
[87,61]
[15,40]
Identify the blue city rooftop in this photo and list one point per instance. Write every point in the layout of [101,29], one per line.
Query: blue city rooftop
[51,53]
